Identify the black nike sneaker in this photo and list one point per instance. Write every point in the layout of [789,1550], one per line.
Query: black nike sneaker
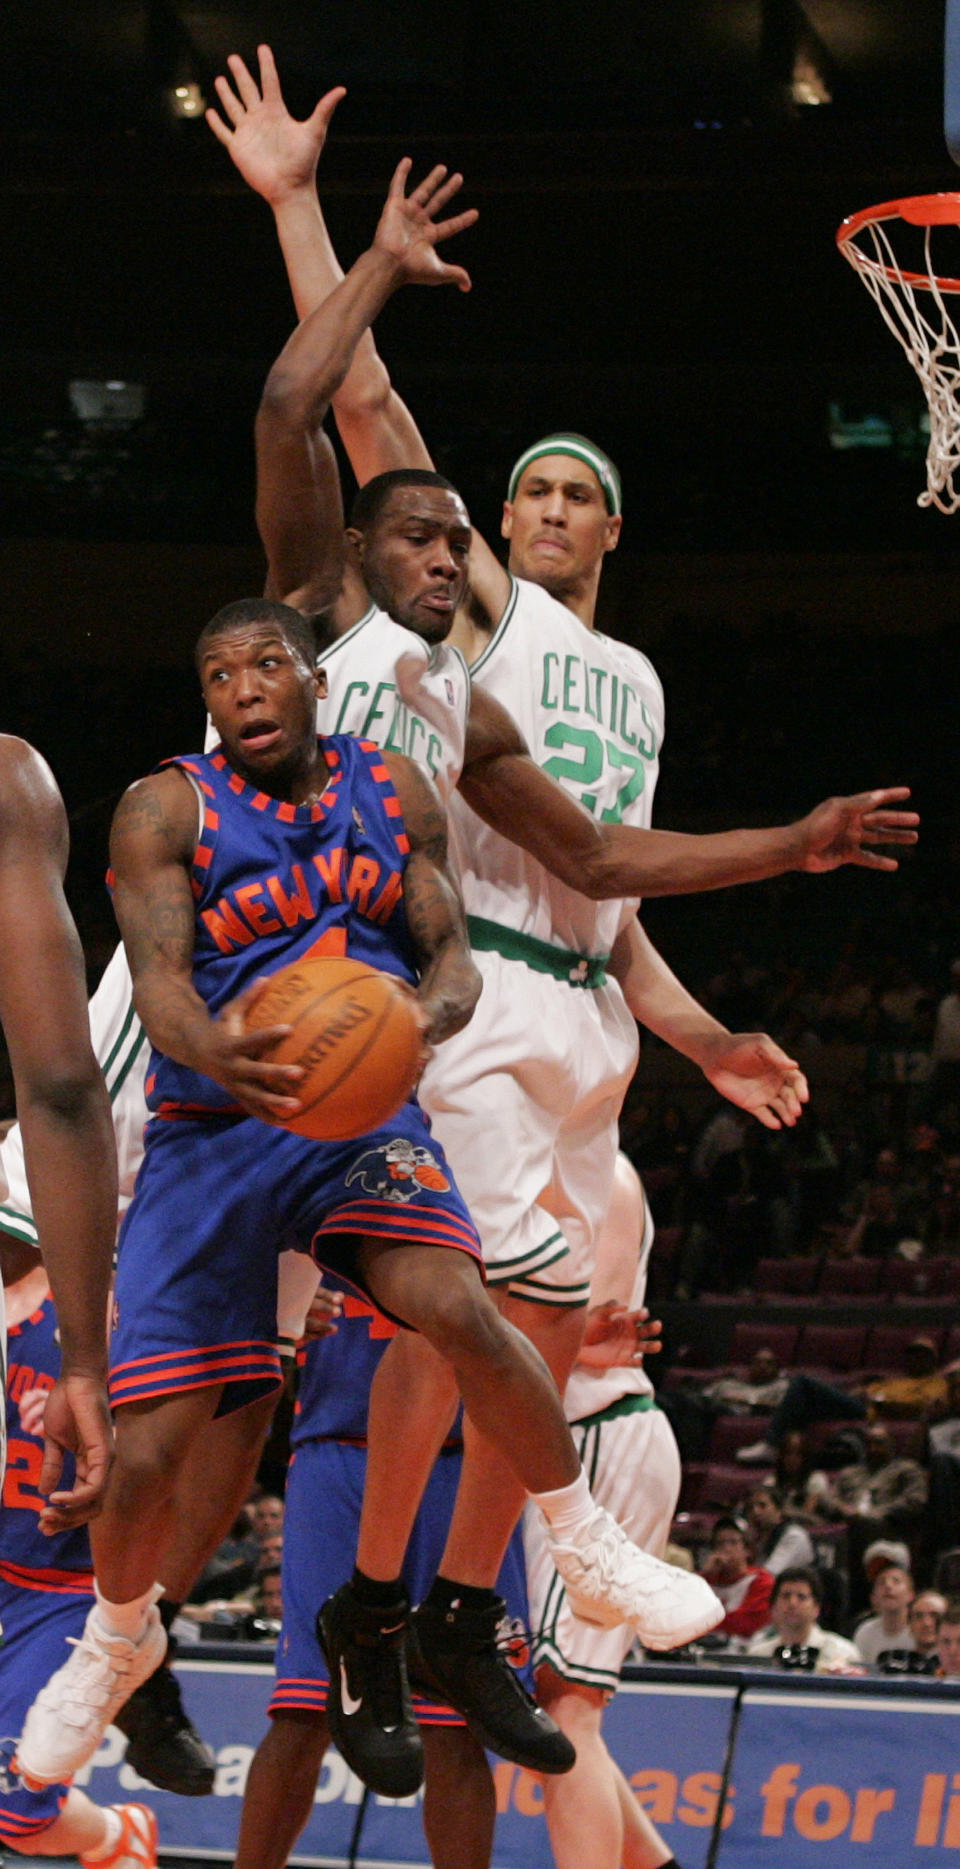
[368,1706]
[164,1745]
[455,1655]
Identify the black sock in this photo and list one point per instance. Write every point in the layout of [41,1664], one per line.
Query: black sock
[376,1595]
[445,1593]
[169,1611]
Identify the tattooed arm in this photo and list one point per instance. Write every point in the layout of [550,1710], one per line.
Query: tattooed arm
[151,847]
[449,981]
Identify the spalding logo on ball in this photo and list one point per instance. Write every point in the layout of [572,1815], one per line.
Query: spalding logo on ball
[356,1037]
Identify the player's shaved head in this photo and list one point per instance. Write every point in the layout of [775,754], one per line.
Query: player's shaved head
[296,629]
[372,498]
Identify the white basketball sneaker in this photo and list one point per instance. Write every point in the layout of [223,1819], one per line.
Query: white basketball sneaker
[137,1844]
[609,1580]
[70,1715]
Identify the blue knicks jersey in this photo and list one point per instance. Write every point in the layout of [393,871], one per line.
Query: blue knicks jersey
[336,1372]
[275,882]
[28,1559]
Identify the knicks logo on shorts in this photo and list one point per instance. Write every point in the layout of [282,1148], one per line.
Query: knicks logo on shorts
[398,1171]
[10,1779]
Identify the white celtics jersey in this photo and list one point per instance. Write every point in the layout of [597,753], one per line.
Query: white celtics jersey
[384,683]
[589,1390]
[591,710]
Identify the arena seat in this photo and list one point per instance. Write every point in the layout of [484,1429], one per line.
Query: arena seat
[905,1278]
[886,1344]
[789,1278]
[730,1432]
[831,1346]
[850,1278]
[747,1339]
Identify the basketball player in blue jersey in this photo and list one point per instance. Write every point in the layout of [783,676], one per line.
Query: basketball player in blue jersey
[228,866]
[46,1590]
[65,1116]
[323,1498]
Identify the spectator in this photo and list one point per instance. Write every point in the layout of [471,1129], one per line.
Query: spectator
[266,1514]
[777,1542]
[910,1397]
[920,1392]
[744,1589]
[924,1617]
[888,1629]
[795,1635]
[801,1485]
[886,1210]
[880,1496]
[268,1597]
[948,1641]
[756,1393]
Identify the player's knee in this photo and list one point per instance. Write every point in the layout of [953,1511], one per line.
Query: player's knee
[148,1464]
[464,1321]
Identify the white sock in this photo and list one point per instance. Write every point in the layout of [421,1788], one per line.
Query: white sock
[569,1509]
[127,1619]
[114,1823]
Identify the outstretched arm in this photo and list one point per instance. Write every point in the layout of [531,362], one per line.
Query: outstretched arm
[505,787]
[64,1113]
[151,846]
[745,1067]
[299,510]
[277,156]
[449,980]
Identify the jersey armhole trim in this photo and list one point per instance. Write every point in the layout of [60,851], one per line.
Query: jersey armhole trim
[464,664]
[498,633]
[348,635]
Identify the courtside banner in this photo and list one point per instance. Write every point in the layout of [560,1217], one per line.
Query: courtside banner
[670,1742]
[821,1777]
[821,1781]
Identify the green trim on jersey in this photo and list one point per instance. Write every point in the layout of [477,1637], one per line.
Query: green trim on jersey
[532,1260]
[347,636]
[19,1226]
[582,970]
[464,664]
[497,636]
[624,1405]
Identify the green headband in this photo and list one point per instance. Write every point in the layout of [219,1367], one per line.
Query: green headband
[582,450]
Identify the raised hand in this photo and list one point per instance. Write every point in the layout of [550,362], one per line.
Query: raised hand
[842,829]
[276,155]
[751,1071]
[76,1420]
[409,232]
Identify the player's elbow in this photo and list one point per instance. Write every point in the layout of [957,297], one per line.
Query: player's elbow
[294,397]
[365,395]
[70,1095]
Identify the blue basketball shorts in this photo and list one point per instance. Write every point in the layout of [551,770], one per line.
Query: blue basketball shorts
[36,1624]
[217,1200]
[320,1528]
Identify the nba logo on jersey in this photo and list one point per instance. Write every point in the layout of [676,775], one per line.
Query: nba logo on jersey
[397,1170]
[448,690]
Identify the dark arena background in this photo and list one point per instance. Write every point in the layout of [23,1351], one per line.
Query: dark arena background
[654,266]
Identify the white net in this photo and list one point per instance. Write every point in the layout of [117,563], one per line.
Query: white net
[915,304]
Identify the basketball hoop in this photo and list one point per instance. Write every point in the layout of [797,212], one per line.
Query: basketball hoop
[913,299]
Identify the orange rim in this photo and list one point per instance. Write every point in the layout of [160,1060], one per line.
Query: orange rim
[919,211]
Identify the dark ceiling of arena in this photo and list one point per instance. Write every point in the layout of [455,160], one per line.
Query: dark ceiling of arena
[659,188]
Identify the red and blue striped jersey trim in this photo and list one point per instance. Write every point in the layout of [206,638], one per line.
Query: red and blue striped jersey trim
[173,1370]
[54,1582]
[311,1697]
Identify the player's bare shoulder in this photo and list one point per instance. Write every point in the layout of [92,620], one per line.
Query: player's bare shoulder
[31,809]
[160,811]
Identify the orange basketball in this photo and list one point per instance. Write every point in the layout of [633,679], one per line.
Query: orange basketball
[355,1036]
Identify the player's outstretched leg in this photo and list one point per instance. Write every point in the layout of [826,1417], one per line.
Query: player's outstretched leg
[512,1400]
